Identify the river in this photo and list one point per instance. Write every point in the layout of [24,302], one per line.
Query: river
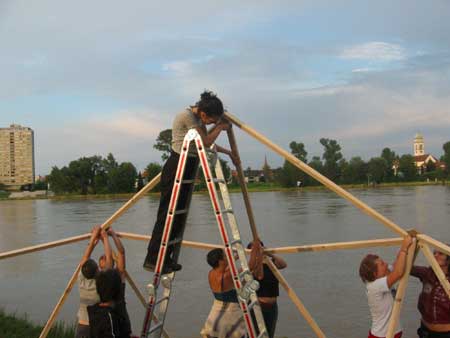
[327,282]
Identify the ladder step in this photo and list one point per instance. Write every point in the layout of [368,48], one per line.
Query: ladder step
[174,241]
[218,180]
[236,241]
[187,181]
[156,327]
[161,300]
[227,211]
[182,211]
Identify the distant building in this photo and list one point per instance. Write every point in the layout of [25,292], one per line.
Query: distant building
[16,156]
[423,160]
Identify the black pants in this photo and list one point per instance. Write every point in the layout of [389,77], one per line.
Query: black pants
[270,315]
[424,332]
[167,180]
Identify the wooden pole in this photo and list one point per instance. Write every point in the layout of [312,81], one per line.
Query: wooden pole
[336,246]
[316,175]
[39,247]
[105,226]
[438,245]
[398,301]
[435,266]
[189,244]
[60,303]
[298,303]
[241,179]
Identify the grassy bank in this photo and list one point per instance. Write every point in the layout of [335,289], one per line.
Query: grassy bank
[13,326]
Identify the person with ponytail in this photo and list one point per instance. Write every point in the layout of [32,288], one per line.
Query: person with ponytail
[209,110]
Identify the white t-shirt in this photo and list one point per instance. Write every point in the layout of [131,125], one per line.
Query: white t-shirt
[380,303]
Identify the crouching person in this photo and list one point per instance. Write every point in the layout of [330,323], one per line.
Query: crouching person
[379,281]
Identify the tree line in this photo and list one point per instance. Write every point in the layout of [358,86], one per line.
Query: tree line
[377,170]
[98,175]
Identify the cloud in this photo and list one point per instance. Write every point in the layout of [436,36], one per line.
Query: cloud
[375,51]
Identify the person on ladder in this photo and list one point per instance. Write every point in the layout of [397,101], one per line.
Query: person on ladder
[209,110]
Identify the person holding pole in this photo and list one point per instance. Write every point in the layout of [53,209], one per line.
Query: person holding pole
[86,280]
[434,303]
[209,110]
[379,281]
[269,289]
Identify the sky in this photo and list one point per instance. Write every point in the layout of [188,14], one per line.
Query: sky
[93,77]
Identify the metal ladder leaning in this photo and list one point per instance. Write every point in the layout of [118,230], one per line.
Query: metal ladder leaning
[243,280]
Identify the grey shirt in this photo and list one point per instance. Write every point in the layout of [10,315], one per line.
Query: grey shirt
[181,124]
[88,296]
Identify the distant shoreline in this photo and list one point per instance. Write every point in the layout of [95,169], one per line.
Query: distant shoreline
[257,187]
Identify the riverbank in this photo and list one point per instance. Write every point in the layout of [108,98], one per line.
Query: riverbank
[252,187]
[13,326]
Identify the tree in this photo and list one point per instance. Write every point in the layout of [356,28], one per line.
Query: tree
[446,157]
[389,156]
[377,168]
[407,167]
[164,143]
[140,181]
[332,154]
[152,170]
[316,164]
[290,174]
[430,166]
[355,171]
[123,178]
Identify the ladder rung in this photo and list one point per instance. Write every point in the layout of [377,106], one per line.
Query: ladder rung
[227,211]
[174,241]
[218,180]
[187,181]
[182,211]
[161,300]
[252,304]
[156,327]
[236,241]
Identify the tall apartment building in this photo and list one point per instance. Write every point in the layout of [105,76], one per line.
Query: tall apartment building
[16,156]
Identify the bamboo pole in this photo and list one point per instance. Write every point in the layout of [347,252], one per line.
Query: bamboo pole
[398,301]
[60,303]
[241,179]
[150,185]
[336,246]
[43,246]
[435,266]
[189,244]
[298,303]
[439,245]
[316,175]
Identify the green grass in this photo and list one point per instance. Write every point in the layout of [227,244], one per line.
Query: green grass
[13,326]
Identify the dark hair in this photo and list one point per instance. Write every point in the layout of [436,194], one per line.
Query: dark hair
[89,268]
[108,284]
[210,104]
[250,245]
[214,256]
[368,268]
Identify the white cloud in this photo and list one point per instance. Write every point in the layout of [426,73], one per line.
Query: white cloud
[375,51]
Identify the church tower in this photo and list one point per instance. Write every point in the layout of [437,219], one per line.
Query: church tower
[419,146]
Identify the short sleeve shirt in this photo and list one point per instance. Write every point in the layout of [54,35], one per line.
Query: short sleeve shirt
[381,302]
[181,124]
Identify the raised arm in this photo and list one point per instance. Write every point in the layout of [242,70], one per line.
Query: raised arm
[255,263]
[120,252]
[107,249]
[400,262]
[95,232]
[210,137]
[279,262]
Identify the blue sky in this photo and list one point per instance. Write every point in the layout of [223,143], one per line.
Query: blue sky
[104,76]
